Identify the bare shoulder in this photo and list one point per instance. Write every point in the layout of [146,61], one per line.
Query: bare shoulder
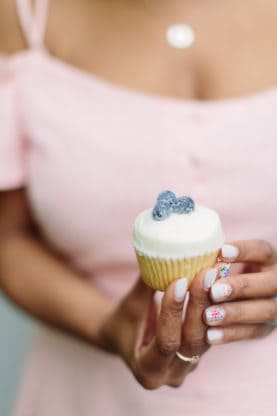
[11,37]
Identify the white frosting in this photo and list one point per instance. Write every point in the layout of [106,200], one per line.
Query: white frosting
[179,235]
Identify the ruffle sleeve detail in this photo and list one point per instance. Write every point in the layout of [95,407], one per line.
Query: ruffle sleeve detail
[12,172]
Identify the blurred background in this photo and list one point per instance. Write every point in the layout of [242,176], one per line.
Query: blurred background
[16,331]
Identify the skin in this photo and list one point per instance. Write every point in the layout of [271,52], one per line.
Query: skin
[217,67]
[248,309]
[253,292]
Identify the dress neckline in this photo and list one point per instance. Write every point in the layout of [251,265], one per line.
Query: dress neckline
[92,80]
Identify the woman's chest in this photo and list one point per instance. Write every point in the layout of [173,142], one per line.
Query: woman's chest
[98,155]
[125,42]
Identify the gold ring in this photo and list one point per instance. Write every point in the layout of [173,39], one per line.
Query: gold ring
[194,359]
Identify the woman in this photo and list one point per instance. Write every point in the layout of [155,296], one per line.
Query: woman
[99,113]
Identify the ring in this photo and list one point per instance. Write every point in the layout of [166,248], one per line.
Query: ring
[272,322]
[194,359]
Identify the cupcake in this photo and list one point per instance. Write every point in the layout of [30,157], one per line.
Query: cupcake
[177,238]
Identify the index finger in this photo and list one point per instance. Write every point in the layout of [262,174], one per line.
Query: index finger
[194,329]
[255,251]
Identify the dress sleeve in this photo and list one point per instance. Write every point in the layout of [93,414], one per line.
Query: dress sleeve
[11,138]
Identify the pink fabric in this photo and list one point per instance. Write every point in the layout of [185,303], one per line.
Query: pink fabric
[92,155]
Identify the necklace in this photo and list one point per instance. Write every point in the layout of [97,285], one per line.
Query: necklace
[178,35]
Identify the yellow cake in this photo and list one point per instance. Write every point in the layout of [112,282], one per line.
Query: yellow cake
[177,238]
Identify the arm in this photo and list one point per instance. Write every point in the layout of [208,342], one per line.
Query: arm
[30,274]
[33,276]
[37,280]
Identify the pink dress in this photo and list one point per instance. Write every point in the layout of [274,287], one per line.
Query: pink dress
[92,155]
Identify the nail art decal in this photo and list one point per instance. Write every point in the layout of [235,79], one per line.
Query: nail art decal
[215,313]
[224,270]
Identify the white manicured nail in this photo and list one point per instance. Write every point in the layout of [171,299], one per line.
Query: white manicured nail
[180,289]
[209,278]
[229,252]
[214,335]
[221,290]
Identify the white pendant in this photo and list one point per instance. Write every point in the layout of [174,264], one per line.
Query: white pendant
[180,36]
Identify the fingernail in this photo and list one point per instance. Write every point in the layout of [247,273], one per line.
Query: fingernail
[275,298]
[214,335]
[229,252]
[209,278]
[214,313]
[224,270]
[180,289]
[221,290]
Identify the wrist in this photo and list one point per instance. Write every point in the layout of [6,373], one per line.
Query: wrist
[88,315]
[101,332]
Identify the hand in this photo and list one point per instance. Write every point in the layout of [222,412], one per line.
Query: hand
[148,341]
[244,305]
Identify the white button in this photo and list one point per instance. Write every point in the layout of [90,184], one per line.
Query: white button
[180,36]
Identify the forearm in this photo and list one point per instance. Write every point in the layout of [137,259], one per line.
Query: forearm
[45,287]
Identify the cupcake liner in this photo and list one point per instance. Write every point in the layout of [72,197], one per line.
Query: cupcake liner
[158,273]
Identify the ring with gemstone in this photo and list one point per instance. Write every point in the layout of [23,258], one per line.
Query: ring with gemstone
[194,359]
[272,322]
